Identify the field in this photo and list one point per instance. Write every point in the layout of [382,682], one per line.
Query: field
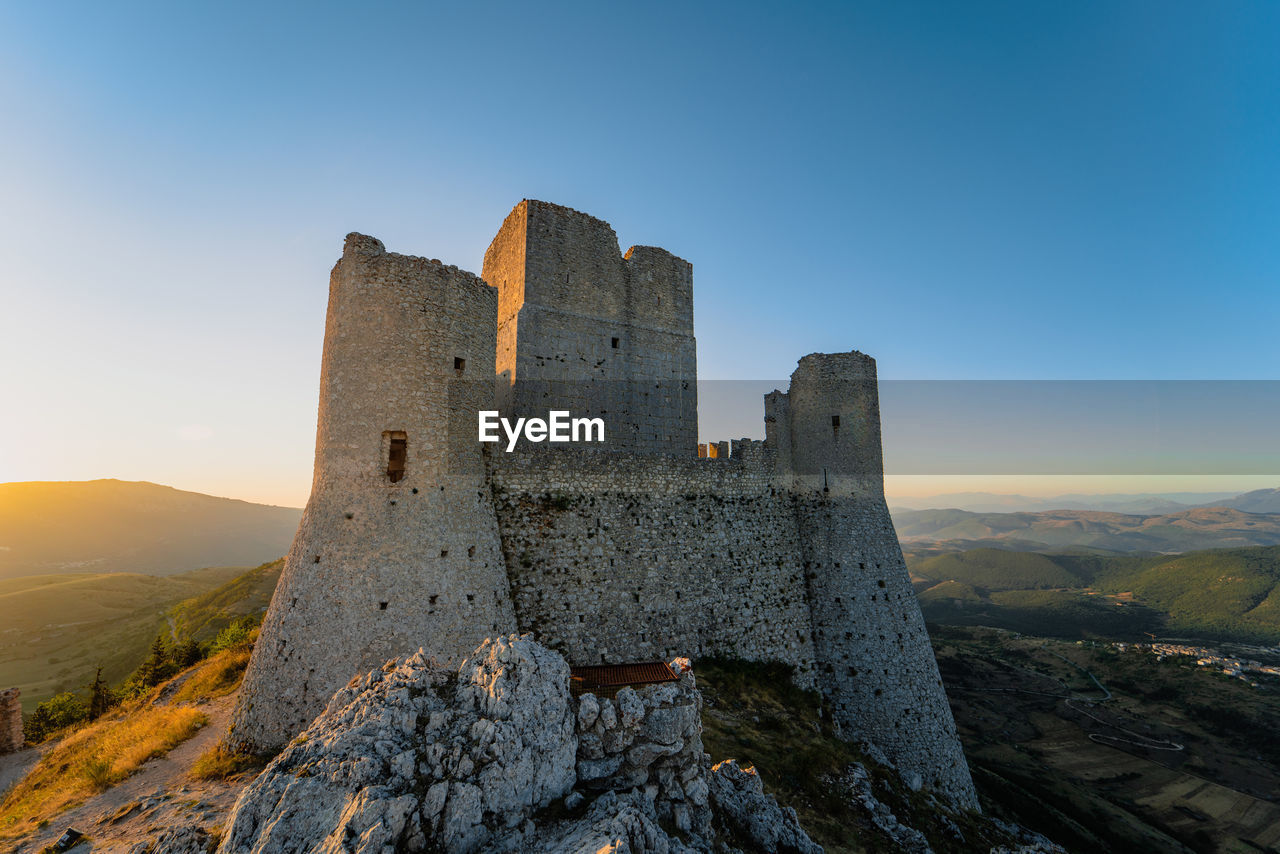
[1156,756]
[58,629]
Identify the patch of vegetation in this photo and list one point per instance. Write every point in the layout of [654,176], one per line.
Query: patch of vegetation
[92,759]
[203,617]
[229,655]
[67,626]
[754,713]
[217,677]
[997,569]
[219,763]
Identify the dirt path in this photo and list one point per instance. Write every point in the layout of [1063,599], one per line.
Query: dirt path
[14,766]
[159,796]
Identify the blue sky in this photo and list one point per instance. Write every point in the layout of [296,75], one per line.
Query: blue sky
[965,191]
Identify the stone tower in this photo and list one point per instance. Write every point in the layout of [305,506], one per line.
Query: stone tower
[583,327]
[871,648]
[398,546]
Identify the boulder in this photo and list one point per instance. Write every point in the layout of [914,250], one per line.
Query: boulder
[496,756]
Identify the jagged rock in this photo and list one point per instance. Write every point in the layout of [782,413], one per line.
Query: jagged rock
[1027,841]
[415,757]
[738,796]
[487,745]
[616,824]
[857,783]
[183,839]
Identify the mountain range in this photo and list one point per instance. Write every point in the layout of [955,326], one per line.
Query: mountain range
[114,526]
[1149,503]
[1185,530]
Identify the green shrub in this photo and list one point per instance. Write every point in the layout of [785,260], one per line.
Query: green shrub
[238,635]
[54,714]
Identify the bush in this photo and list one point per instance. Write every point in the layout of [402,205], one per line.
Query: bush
[239,635]
[187,653]
[56,713]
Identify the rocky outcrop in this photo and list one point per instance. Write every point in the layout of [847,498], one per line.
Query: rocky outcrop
[496,756]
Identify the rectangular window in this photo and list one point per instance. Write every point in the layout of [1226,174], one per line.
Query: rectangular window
[835,420]
[459,364]
[615,343]
[397,453]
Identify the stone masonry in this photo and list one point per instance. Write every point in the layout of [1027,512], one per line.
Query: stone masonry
[640,548]
[11,735]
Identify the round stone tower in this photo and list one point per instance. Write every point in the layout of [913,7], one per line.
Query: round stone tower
[398,547]
[874,660]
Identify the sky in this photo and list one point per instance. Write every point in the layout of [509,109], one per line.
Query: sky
[968,192]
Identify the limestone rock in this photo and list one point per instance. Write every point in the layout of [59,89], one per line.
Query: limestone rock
[182,839]
[738,796]
[415,757]
[486,746]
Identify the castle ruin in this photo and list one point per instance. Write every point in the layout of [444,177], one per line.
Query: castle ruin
[417,535]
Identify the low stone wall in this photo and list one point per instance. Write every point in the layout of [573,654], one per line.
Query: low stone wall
[11,736]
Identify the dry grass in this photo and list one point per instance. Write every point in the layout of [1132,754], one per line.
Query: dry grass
[218,763]
[93,759]
[215,677]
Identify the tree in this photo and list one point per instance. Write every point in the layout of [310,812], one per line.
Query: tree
[187,653]
[157,668]
[59,711]
[100,697]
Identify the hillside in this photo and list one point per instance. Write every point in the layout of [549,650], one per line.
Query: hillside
[1257,501]
[1226,594]
[1186,530]
[55,630]
[112,526]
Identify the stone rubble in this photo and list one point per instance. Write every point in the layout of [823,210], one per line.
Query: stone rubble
[496,756]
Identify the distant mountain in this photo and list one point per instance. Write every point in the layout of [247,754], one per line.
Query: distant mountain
[105,526]
[1141,502]
[1258,501]
[1186,530]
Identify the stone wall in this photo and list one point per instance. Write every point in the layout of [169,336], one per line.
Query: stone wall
[620,557]
[381,566]
[11,735]
[586,328]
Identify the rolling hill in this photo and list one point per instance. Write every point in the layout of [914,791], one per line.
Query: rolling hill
[113,526]
[1222,594]
[56,630]
[1187,530]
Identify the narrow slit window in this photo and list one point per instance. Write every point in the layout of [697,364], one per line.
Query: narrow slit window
[397,453]
[835,421]
[614,342]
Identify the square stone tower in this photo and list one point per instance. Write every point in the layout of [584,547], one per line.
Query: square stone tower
[583,327]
